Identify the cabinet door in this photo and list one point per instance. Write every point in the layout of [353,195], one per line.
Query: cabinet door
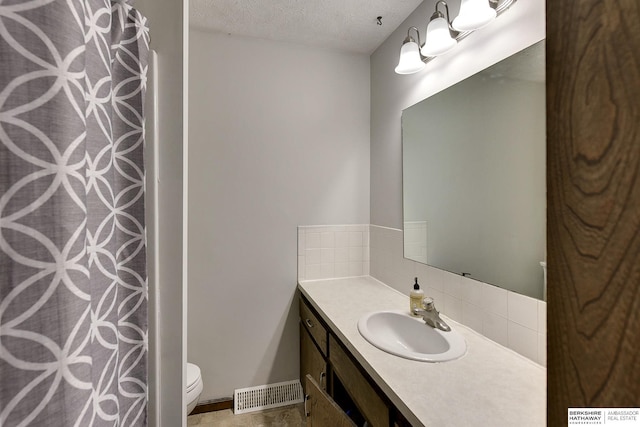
[311,361]
[321,410]
[365,397]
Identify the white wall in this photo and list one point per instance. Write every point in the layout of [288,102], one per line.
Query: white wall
[279,137]
[517,28]
[166,364]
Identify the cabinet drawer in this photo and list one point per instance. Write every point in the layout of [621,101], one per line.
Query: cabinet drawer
[313,325]
[363,394]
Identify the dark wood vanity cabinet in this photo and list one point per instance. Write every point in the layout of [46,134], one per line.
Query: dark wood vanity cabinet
[338,392]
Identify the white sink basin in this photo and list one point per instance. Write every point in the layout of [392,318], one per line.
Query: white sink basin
[402,335]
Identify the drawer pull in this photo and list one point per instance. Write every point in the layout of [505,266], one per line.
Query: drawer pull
[308,322]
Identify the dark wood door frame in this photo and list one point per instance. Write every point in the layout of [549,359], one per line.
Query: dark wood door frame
[593,205]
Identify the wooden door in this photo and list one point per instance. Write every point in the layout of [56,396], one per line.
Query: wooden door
[593,205]
[321,410]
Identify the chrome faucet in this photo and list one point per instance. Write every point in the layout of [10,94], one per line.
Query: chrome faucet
[430,315]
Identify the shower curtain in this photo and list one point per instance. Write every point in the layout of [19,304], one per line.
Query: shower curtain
[73,291]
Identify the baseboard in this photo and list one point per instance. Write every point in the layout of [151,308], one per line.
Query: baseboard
[213,405]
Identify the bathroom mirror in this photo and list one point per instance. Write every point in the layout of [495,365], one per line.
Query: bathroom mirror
[474,189]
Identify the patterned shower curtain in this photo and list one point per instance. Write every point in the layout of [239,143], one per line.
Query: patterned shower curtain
[73,292]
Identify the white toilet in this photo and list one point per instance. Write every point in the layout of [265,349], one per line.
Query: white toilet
[194,386]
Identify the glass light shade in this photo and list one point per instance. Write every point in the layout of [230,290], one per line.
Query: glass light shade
[439,38]
[410,61]
[473,14]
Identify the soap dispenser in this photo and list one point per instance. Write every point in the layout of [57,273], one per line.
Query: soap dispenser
[415,298]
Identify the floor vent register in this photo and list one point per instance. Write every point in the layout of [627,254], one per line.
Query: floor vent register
[268,396]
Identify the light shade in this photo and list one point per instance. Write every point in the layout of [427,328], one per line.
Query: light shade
[438,37]
[410,61]
[473,14]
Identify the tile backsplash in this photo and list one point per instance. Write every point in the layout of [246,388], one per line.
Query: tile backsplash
[510,319]
[331,251]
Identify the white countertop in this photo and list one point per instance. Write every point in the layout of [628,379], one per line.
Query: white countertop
[489,386]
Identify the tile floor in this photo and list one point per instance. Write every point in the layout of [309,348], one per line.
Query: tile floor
[288,416]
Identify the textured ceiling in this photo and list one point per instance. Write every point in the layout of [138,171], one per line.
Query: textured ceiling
[347,25]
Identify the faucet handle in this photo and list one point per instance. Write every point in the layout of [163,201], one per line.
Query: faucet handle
[428,304]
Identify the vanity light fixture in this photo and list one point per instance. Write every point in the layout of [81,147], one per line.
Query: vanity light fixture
[410,58]
[440,34]
[443,34]
[473,14]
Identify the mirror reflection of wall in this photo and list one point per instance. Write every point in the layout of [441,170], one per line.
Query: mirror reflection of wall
[474,176]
